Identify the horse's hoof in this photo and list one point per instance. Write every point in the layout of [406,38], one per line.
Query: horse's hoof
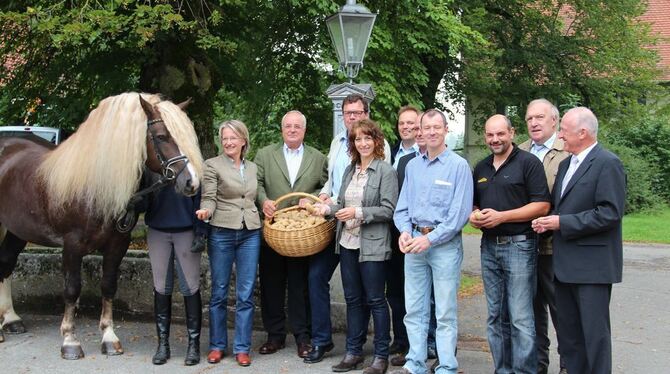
[2,337]
[111,348]
[71,352]
[16,327]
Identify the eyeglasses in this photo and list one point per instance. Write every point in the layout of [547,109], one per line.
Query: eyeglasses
[355,113]
[231,139]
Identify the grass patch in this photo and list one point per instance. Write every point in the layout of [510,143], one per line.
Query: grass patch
[647,227]
[470,286]
[471,230]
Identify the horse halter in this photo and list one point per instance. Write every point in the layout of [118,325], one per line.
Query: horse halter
[128,219]
[169,174]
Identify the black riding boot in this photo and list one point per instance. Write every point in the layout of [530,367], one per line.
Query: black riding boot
[162,315]
[193,306]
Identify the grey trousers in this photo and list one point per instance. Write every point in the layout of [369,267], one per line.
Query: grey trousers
[170,252]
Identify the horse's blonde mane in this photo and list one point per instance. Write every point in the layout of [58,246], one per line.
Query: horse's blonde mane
[101,164]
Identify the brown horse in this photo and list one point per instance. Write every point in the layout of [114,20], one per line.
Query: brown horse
[71,196]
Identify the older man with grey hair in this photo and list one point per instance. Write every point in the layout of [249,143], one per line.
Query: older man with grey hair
[542,119]
[588,207]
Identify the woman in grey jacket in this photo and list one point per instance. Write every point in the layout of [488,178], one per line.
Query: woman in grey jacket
[364,210]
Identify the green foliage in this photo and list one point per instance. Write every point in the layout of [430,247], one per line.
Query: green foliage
[640,194]
[586,51]
[647,139]
[255,60]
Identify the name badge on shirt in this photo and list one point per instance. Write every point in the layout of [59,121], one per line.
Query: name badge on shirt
[442,183]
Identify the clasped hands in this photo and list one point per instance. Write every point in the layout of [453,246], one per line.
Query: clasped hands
[415,245]
[487,218]
[544,224]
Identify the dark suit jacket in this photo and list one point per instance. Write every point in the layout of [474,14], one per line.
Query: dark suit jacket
[273,179]
[402,164]
[588,246]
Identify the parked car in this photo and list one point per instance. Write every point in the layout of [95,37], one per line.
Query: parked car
[50,134]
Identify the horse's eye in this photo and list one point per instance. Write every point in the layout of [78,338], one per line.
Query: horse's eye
[162,138]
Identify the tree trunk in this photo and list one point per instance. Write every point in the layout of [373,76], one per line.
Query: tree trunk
[180,73]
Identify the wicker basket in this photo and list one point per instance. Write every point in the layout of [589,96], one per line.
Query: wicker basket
[302,242]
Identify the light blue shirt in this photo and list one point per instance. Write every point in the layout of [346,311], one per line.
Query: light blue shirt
[436,193]
[293,159]
[342,160]
[404,151]
[541,150]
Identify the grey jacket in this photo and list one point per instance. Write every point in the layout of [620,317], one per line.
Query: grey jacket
[379,200]
[227,196]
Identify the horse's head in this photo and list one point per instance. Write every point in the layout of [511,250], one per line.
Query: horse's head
[163,154]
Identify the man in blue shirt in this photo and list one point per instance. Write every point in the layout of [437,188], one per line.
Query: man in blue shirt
[434,204]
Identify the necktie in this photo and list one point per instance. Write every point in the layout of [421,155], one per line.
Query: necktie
[574,164]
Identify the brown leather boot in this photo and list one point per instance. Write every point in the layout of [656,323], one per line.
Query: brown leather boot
[378,366]
[349,362]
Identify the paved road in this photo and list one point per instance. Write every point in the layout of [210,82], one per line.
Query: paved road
[640,318]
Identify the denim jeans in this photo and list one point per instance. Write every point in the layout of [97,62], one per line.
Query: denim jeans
[241,247]
[364,284]
[321,268]
[439,267]
[508,271]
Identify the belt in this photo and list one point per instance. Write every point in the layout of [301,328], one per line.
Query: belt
[506,239]
[424,230]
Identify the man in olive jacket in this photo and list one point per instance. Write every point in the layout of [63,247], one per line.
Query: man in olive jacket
[286,167]
[542,119]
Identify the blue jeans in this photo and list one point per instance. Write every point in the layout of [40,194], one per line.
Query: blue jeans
[364,284]
[439,268]
[241,247]
[509,275]
[321,268]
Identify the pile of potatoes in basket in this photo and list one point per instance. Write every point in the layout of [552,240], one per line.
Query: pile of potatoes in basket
[296,220]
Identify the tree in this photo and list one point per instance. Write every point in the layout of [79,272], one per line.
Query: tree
[253,60]
[593,53]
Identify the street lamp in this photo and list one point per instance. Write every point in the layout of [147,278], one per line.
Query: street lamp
[350,30]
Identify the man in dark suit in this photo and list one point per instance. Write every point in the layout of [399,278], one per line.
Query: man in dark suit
[408,126]
[588,200]
[286,167]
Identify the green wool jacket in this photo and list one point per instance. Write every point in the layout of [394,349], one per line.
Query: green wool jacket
[273,179]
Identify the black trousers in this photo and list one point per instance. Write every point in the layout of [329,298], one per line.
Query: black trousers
[544,304]
[395,291]
[277,273]
[584,331]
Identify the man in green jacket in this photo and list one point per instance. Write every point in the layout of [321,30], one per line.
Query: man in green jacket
[290,166]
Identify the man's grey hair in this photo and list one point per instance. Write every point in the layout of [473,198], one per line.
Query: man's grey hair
[586,120]
[304,119]
[554,110]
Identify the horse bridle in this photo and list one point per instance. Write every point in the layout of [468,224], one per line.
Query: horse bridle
[128,218]
[166,165]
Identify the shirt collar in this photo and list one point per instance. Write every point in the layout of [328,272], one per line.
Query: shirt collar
[413,148]
[442,157]
[549,143]
[582,155]
[288,150]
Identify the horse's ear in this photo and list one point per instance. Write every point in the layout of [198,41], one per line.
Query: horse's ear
[184,104]
[148,108]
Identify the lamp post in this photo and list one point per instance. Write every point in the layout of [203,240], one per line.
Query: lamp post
[350,31]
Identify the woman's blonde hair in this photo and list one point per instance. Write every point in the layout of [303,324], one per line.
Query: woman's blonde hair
[240,129]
